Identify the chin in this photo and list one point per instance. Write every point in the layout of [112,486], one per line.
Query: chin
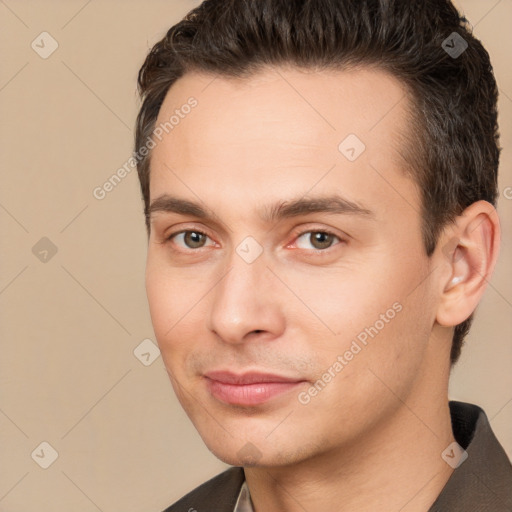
[232,457]
[246,453]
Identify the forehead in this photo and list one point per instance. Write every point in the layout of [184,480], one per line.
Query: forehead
[280,129]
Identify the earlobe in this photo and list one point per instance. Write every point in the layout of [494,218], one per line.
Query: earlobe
[473,251]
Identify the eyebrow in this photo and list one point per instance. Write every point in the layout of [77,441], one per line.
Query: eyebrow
[334,204]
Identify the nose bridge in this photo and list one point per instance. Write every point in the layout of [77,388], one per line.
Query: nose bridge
[241,302]
[239,288]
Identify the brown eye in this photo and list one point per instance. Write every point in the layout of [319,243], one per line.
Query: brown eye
[190,239]
[318,240]
[194,239]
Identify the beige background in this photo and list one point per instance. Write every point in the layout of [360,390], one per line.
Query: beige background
[69,326]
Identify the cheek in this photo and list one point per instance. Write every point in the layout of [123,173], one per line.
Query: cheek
[159,299]
[176,301]
[167,301]
[375,313]
[343,301]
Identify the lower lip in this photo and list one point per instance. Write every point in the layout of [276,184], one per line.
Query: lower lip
[248,394]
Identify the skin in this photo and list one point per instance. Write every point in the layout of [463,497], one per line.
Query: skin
[372,438]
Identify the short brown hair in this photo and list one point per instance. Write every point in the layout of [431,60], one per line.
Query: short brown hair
[453,147]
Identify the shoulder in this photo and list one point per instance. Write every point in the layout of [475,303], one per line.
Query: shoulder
[219,493]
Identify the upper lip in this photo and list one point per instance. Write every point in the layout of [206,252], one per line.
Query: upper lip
[248,378]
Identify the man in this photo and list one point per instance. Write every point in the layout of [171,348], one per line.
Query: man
[319,181]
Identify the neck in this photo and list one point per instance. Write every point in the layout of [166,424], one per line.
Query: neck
[396,467]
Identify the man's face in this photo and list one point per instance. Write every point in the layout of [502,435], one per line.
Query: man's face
[336,286]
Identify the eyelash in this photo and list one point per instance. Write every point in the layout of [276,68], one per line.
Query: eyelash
[296,237]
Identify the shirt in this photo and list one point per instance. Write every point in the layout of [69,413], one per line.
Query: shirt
[244,503]
[483,481]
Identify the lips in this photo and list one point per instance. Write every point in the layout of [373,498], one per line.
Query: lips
[248,389]
[248,378]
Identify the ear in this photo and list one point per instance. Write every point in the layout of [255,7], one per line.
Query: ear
[468,251]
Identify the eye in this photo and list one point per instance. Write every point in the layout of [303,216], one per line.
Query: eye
[190,239]
[320,240]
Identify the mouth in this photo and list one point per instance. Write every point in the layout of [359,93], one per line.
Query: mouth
[248,389]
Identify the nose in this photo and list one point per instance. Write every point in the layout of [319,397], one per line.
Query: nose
[246,303]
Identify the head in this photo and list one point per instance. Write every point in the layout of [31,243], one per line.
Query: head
[325,189]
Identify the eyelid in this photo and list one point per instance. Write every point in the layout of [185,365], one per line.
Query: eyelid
[184,227]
